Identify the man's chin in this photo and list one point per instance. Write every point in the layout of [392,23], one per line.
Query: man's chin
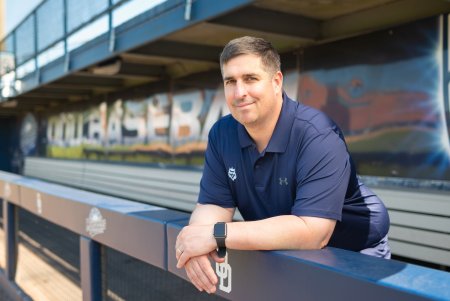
[245,119]
[247,122]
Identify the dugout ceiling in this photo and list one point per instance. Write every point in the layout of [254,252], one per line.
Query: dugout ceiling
[169,45]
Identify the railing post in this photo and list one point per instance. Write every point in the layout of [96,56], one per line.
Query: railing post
[65,26]
[36,46]
[112,34]
[90,269]
[10,219]
[14,41]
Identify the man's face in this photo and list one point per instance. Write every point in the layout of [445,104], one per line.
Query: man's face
[251,91]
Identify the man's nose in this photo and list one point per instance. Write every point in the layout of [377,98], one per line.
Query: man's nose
[240,90]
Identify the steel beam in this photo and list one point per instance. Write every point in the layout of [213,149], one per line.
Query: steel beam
[90,269]
[271,21]
[181,51]
[10,219]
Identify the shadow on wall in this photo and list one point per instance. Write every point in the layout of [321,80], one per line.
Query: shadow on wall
[8,143]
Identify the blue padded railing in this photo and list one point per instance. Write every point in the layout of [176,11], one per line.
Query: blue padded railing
[327,274]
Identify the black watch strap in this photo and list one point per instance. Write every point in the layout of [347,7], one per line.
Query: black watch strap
[221,252]
[220,234]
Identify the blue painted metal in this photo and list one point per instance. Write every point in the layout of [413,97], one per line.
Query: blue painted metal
[25,40]
[66,53]
[90,269]
[9,192]
[149,233]
[328,274]
[90,53]
[188,9]
[30,81]
[417,280]
[10,218]
[111,28]
[54,69]
[168,18]
[35,40]
[15,56]
[150,26]
[125,222]
[166,216]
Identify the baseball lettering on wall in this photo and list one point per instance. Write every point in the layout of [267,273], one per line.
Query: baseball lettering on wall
[165,126]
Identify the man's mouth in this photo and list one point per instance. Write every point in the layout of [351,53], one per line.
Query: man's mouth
[243,104]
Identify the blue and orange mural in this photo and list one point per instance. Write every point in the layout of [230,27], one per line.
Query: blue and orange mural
[385,90]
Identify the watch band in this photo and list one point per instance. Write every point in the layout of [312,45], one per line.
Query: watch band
[220,234]
[222,252]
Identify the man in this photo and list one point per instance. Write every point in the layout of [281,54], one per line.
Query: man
[286,168]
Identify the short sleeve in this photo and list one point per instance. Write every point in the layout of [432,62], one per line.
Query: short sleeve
[323,173]
[214,188]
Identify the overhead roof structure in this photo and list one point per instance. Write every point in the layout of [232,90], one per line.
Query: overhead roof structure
[181,40]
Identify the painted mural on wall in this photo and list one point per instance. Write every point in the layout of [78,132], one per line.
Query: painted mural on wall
[388,91]
[167,127]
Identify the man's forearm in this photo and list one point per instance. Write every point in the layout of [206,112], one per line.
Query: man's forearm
[280,232]
[210,214]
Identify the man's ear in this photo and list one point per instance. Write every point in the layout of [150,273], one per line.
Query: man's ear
[277,82]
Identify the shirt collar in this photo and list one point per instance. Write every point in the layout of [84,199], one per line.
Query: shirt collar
[280,136]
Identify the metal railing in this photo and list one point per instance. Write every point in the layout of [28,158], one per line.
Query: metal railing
[56,27]
[98,220]
[30,58]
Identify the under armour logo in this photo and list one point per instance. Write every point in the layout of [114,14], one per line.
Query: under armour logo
[283,181]
[232,173]
[223,271]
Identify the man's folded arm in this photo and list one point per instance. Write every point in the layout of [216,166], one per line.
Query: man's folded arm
[280,232]
[210,214]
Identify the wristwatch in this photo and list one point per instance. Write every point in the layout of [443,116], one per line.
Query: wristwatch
[220,233]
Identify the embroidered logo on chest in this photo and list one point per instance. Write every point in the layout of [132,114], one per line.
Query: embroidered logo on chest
[283,181]
[232,173]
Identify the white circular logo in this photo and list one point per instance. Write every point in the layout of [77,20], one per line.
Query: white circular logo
[95,223]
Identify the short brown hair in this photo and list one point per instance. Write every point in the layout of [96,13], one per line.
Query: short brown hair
[252,45]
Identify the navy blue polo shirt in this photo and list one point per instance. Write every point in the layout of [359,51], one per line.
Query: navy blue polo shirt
[305,170]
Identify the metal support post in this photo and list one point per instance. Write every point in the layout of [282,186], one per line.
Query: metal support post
[90,269]
[36,48]
[10,219]
[112,34]
[65,26]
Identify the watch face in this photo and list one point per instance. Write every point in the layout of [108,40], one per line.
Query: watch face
[220,230]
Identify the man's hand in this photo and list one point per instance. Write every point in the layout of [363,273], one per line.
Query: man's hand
[201,273]
[194,241]
[196,244]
